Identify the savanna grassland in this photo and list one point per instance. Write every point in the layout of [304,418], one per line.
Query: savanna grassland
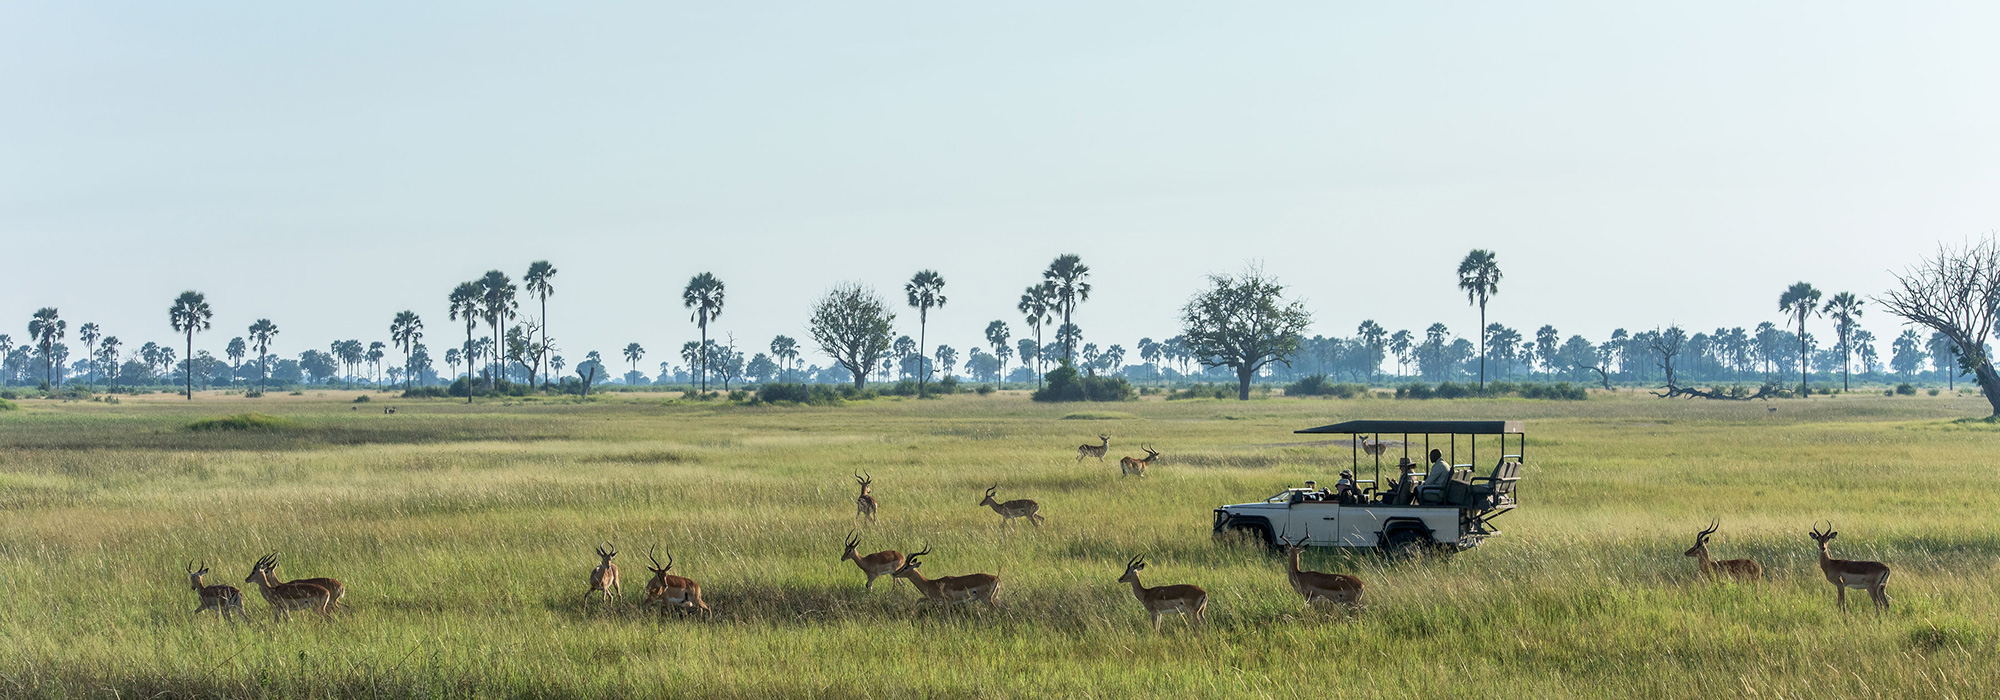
[464,535]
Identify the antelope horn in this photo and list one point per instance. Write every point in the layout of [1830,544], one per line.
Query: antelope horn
[190,567]
[853,538]
[670,559]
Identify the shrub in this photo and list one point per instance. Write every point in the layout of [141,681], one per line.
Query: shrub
[9,395]
[1064,384]
[792,394]
[361,399]
[1203,391]
[424,392]
[6,405]
[947,385]
[241,421]
[1906,389]
[1934,391]
[984,389]
[1559,391]
[1319,385]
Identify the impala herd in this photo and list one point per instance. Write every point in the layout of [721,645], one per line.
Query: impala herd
[667,591]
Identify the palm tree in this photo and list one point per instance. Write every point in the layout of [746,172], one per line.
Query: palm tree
[89,335]
[1844,308]
[47,328]
[1034,305]
[925,292]
[236,351]
[464,303]
[107,356]
[496,293]
[451,358]
[375,358]
[704,294]
[1800,300]
[632,354]
[997,335]
[540,272]
[190,315]
[261,334]
[405,331]
[1479,276]
[1065,280]
[785,349]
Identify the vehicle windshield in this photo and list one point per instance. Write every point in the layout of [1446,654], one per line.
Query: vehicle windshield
[1284,496]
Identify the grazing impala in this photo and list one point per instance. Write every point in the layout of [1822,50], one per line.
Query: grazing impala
[1870,576]
[1128,466]
[1183,598]
[1098,450]
[288,596]
[1316,586]
[1739,569]
[219,597]
[679,592]
[1017,508]
[865,504]
[604,578]
[879,564]
[950,589]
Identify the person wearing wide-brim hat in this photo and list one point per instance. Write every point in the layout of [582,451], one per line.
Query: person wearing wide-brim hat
[1345,490]
[1405,486]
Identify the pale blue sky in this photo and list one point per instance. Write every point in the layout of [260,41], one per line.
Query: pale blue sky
[327,166]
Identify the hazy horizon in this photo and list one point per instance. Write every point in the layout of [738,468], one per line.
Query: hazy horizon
[1632,167]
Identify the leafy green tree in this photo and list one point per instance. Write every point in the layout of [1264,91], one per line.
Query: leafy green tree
[947,358]
[1035,304]
[374,357]
[465,305]
[45,329]
[925,291]
[1801,300]
[189,315]
[405,331]
[1402,343]
[1844,308]
[1375,339]
[704,295]
[851,323]
[236,351]
[1030,353]
[1908,356]
[1065,280]
[1479,278]
[633,353]
[261,334]
[452,358]
[1243,322]
[497,295]
[997,336]
[786,351]
[761,368]
[107,356]
[89,334]
[691,354]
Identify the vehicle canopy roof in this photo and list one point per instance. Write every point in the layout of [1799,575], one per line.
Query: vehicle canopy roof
[1427,427]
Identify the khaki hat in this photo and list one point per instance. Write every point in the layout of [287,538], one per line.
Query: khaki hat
[1405,462]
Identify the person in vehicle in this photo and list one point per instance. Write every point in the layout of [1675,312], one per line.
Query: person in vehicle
[1440,472]
[1345,490]
[1406,484]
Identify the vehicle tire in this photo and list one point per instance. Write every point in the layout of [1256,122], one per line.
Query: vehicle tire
[1251,532]
[1406,545]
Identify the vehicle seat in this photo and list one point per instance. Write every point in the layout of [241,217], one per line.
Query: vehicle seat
[1499,487]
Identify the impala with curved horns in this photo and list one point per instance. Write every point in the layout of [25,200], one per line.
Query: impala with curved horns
[679,592]
[1184,599]
[1871,576]
[1739,569]
[290,595]
[950,589]
[1098,450]
[864,505]
[221,598]
[603,578]
[1017,508]
[1317,586]
[1128,466]
[877,565]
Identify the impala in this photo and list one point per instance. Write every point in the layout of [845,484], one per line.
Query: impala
[335,590]
[1098,450]
[864,505]
[1373,447]
[1128,466]
[1183,598]
[877,565]
[1314,585]
[1017,508]
[604,578]
[220,598]
[1871,576]
[290,595]
[950,589]
[1739,569]
[670,590]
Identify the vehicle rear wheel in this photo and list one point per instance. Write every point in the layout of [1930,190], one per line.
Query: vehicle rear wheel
[1404,545]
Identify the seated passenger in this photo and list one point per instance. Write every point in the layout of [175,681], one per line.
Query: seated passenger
[1404,490]
[1439,474]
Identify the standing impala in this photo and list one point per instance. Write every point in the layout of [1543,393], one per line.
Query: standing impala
[950,589]
[865,504]
[1183,598]
[1871,576]
[219,597]
[1097,450]
[1017,508]
[604,578]
[1128,466]
[1316,586]
[1373,447]
[1739,569]
[678,591]
[288,596]
[879,564]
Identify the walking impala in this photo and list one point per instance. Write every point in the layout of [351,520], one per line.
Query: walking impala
[1017,508]
[336,591]
[1739,569]
[950,589]
[1098,450]
[1871,576]
[220,597]
[1128,466]
[879,564]
[288,596]
[604,578]
[1183,598]
[1314,585]
[670,590]
[865,504]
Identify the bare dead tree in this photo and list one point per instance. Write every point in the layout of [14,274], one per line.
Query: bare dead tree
[1667,345]
[1957,293]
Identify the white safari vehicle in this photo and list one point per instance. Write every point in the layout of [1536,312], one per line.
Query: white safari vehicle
[1399,517]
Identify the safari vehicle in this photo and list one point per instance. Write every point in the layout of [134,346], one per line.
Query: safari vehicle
[1398,521]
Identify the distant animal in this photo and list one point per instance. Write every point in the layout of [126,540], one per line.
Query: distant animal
[334,588]
[219,597]
[1372,447]
[678,592]
[1098,450]
[1739,569]
[1129,467]
[1317,586]
[1017,508]
[1183,599]
[864,505]
[1871,576]
[879,564]
[388,410]
[603,578]
[950,589]
[290,595]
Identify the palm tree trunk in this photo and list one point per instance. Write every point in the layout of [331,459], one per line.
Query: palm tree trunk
[190,363]
[1482,345]
[704,355]
[923,363]
[1803,391]
[544,356]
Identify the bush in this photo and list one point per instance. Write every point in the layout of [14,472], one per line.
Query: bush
[1934,391]
[6,405]
[9,395]
[1906,389]
[361,399]
[1559,391]
[984,389]
[1319,385]
[738,395]
[1064,384]
[794,394]
[424,392]
[1203,391]
[241,421]
[947,385]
